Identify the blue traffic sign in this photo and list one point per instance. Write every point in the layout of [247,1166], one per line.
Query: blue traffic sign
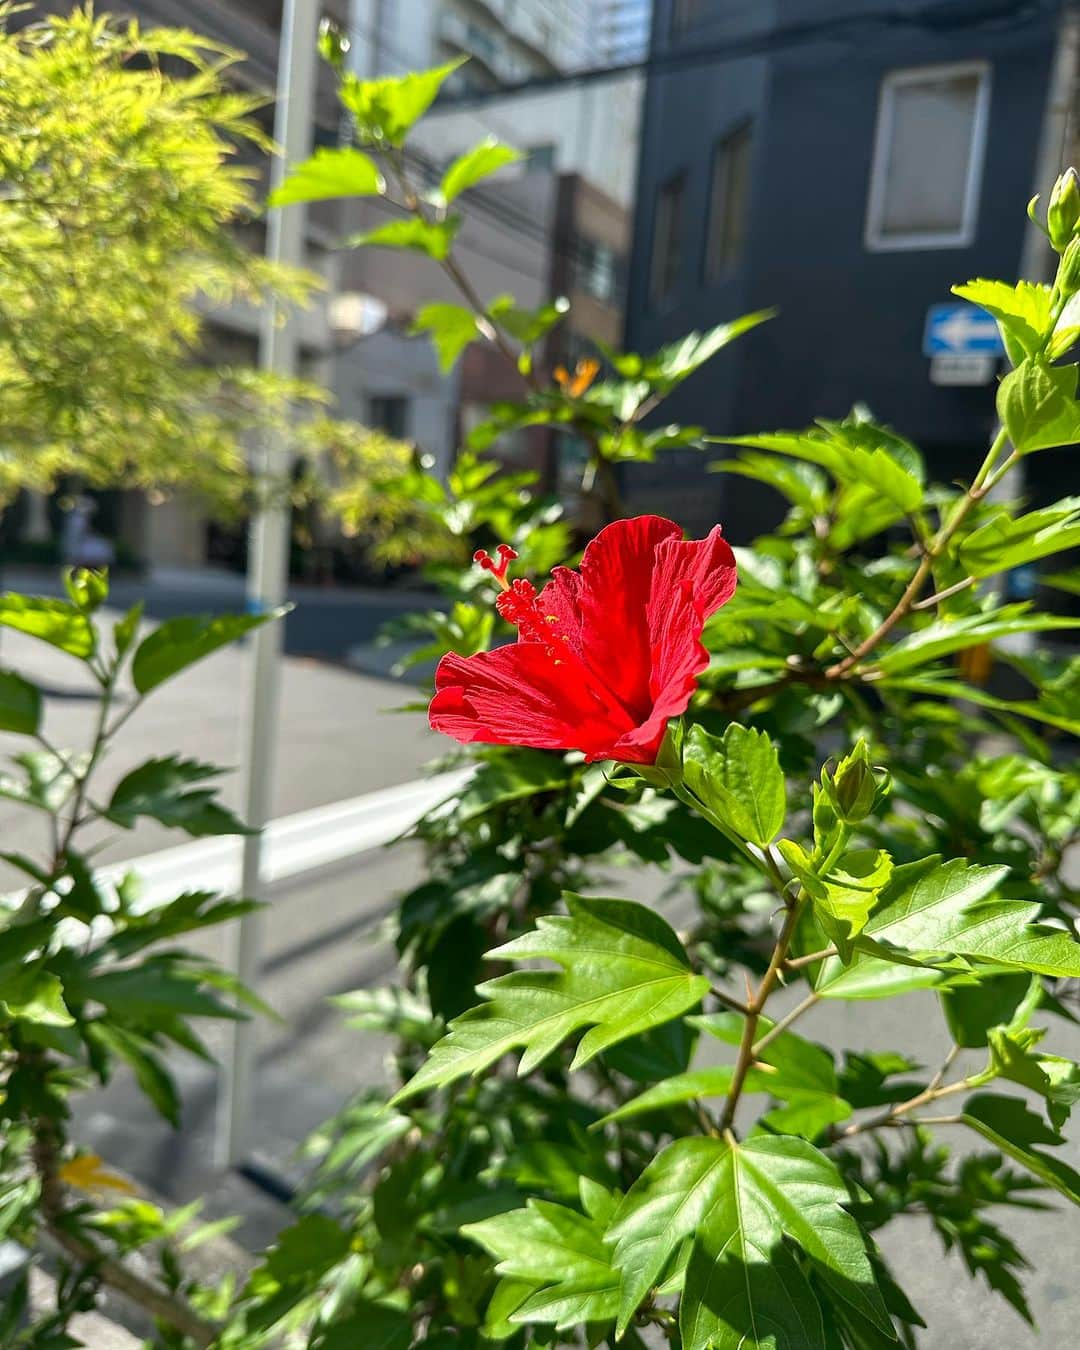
[961,330]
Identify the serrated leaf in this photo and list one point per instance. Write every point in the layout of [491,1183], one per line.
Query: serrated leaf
[948,910]
[857,453]
[559,1259]
[843,897]
[1003,542]
[737,1203]
[20,704]
[386,109]
[179,643]
[738,778]
[1052,1077]
[1008,1124]
[1037,404]
[478,163]
[452,328]
[56,622]
[435,238]
[341,171]
[1022,312]
[164,790]
[623,971]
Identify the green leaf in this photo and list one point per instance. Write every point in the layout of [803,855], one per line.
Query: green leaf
[435,238]
[666,369]
[179,643]
[480,162]
[150,1072]
[954,635]
[736,1203]
[375,1326]
[509,777]
[947,909]
[1052,1077]
[35,995]
[1022,312]
[946,686]
[1037,403]
[623,971]
[57,622]
[682,1087]
[738,778]
[342,171]
[452,328]
[1008,1124]
[527,325]
[559,1256]
[856,452]
[386,109]
[843,897]
[796,1071]
[163,790]
[49,780]
[20,704]
[973,1010]
[1003,542]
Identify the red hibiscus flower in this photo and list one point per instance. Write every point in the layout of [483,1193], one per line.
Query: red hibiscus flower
[604,657]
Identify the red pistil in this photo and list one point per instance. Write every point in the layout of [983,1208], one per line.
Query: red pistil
[498,570]
[517,603]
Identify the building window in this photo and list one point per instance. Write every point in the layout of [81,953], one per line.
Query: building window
[389,413]
[667,238]
[728,193]
[595,269]
[928,157]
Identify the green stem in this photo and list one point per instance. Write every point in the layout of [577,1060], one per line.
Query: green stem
[978,489]
[754,1010]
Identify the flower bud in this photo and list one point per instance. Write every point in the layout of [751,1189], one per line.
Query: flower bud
[1068,276]
[1063,213]
[852,787]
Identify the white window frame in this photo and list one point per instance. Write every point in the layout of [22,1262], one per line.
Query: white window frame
[965,236]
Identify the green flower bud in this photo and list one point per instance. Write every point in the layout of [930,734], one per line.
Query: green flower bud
[1063,213]
[1068,277]
[852,787]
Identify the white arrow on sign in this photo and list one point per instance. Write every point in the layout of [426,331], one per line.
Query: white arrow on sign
[963,328]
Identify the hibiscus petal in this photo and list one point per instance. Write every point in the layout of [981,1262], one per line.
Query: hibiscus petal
[708,564]
[519,695]
[613,599]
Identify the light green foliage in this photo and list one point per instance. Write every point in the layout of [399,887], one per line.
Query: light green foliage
[91,978]
[622,972]
[474,166]
[385,110]
[738,779]
[340,172]
[735,1204]
[1038,406]
[123,191]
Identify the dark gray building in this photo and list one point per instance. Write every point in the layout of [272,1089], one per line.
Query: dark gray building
[845,161]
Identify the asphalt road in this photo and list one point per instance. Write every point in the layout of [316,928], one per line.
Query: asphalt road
[323,935]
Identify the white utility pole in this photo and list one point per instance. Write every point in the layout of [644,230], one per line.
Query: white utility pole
[268,550]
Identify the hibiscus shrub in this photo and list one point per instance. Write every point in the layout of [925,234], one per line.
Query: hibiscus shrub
[607,1128]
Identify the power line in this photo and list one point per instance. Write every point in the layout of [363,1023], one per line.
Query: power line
[942,16]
